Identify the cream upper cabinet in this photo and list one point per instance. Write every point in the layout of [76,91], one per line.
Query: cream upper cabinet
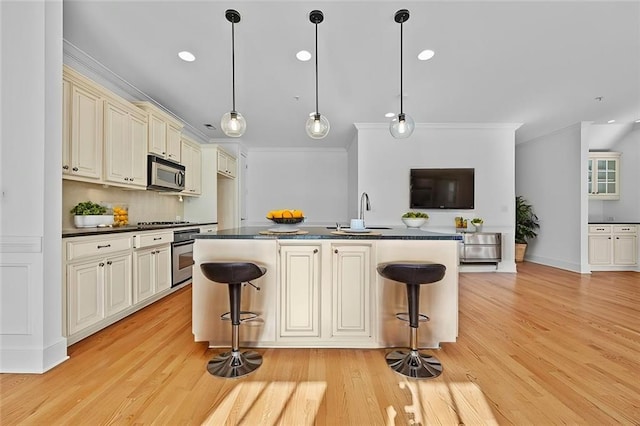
[192,160]
[174,143]
[82,128]
[604,175]
[227,164]
[164,132]
[125,144]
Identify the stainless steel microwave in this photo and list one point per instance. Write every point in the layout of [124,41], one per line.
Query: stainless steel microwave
[164,175]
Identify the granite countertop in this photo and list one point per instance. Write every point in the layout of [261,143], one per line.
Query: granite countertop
[617,222]
[81,232]
[319,232]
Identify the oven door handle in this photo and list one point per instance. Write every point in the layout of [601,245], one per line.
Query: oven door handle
[182,243]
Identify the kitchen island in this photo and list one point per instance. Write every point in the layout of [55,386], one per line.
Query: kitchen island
[321,288]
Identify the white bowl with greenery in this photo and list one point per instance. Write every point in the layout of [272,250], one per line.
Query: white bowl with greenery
[414,219]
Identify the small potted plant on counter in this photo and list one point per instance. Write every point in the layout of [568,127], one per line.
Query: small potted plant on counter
[526,225]
[477,223]
[88,215]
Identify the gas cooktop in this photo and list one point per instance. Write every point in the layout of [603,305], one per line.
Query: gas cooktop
[161,224]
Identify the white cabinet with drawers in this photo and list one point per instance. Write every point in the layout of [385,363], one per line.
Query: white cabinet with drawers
[613,246]
[98,283]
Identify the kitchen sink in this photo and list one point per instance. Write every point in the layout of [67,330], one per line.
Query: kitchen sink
[368,227]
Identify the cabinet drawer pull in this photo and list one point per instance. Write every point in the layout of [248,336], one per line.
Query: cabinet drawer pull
[157,238]
[626,229]
[599,229]
[105,246]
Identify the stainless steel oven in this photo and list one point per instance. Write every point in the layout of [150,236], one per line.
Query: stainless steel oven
[182,255]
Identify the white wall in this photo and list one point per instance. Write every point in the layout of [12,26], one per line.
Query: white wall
[551,175]
[313,180]
[628,207]
[30,219]
[384,164]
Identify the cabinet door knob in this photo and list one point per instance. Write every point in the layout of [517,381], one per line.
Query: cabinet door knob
[65,167]
[109,262]
[101,264]
[75,169]
[336,251]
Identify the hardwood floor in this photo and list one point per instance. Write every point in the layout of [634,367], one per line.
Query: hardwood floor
[543,346]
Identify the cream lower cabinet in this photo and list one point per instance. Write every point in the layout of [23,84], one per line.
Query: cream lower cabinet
[152,269]
[351,292]
[300,290]
[613,247]
[98,280]
[325,292]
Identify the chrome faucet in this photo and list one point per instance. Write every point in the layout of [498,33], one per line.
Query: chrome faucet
[364,198]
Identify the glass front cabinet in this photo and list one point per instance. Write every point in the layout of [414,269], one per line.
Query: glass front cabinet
[604,175]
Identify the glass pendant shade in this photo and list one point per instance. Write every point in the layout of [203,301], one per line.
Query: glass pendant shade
[233,124]
[317,126]
[402,126]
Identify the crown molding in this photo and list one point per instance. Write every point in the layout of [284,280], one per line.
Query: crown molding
[87,65]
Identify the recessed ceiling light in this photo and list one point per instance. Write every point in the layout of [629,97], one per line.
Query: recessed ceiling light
[390,114]
[425,55]
[303,55]
[611,121]
[186,56]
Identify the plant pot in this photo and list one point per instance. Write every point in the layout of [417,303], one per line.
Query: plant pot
[520,250]
[92,221]
[478,227]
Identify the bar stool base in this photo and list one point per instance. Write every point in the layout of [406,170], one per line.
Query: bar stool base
[412,363]
[234,364]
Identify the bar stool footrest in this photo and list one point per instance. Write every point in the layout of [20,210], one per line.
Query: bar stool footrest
[244,316]
[404,316]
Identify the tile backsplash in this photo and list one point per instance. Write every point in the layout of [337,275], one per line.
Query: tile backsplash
[144,206]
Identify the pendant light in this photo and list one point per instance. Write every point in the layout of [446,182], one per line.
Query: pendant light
[233,123]
[402,125]
[317,125]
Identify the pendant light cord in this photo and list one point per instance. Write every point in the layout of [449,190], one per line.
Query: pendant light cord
[317,113]
[233,65]
[401,26]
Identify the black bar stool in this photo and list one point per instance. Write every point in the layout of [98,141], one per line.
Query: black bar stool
[412,363]
[234,363]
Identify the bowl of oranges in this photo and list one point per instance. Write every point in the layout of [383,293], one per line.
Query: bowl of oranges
[286,219]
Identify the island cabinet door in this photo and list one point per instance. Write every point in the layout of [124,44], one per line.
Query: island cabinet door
[300,290]
[351,290]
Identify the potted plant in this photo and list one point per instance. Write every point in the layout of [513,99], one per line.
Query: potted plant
[88,214]
[526,226]
[477,223]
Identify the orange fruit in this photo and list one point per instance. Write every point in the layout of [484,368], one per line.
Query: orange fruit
[270,215]
[287,213]
[297,214]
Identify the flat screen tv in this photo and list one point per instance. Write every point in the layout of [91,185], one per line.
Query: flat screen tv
[442,189]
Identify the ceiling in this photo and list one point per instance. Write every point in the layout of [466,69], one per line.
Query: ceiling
[542,64]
